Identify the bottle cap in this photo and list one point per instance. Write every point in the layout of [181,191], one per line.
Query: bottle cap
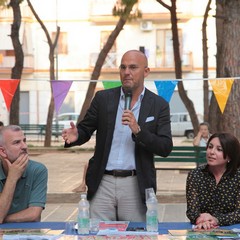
[152,195]
[83,195]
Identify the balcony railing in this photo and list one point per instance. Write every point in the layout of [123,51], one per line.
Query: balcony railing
[104,7]
[9,61]
[7,13]
[156,60]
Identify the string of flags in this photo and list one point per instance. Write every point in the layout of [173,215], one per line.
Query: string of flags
[165,88]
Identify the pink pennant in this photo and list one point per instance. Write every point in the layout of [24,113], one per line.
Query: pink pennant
[60,90]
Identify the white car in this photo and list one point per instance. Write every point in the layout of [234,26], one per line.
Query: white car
[65,119]
[181,125]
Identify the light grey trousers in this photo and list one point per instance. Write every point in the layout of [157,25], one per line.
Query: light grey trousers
[118,199]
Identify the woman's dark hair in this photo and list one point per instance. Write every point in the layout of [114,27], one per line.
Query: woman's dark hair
[231,149]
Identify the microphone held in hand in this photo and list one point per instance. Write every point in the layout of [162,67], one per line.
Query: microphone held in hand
[128,99]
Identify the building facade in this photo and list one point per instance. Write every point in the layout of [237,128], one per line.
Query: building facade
[85,27]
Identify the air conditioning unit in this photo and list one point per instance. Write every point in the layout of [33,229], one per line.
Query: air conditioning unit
[146,26]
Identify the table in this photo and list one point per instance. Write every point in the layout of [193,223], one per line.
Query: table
[163,227]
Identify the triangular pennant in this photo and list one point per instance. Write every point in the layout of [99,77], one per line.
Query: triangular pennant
[111,84]
[60,90]
[8,88]
[221,89]
[165,89]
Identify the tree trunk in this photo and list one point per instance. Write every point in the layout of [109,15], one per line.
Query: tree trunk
[205,63]
[52,46]
[178,65]
[228,52]
[215,116]
[19,58]
[101,58]
[48,136]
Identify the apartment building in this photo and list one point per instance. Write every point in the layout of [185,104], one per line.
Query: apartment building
[85,27]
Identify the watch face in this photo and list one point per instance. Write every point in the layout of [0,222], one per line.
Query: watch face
[139,130]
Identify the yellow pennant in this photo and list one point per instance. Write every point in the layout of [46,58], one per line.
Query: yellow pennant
[221,89]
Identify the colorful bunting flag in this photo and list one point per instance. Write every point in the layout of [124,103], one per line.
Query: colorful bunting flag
[111,84]
[165,89]
[60,90]
[8,88]
[221,89]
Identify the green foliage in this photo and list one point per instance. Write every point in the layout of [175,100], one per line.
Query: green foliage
[121,6]
[7,3]
[3,3]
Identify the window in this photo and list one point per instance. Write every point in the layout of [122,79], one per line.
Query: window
[9,53]
[111,60]
[104,37]
[174,118]
[64,118]
[27,44]
[183,118]
[74,117]
[164,48]
[62,46]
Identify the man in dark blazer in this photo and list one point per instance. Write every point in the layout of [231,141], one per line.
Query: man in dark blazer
[127,138]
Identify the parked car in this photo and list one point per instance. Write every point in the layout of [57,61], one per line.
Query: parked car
[65,119]
[181,125]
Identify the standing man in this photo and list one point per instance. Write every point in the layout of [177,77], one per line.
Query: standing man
[126,140]
[23,182]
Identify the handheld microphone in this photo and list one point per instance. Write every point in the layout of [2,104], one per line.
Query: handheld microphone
[128,99]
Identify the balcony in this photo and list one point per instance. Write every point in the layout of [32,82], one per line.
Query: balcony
[101,11]
[6,14]
[7,63]
[157,61]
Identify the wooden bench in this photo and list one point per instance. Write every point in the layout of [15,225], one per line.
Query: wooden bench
[40,129]
[182,154]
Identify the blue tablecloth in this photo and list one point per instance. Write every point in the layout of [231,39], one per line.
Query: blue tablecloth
[163,227]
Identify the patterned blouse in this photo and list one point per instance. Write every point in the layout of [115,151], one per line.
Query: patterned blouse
[221,200]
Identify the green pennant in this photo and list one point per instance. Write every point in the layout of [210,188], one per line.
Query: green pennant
[111,84]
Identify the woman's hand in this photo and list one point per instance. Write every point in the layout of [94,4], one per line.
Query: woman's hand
[206,221]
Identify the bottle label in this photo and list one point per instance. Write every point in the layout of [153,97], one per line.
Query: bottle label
[83,222]
[152,223]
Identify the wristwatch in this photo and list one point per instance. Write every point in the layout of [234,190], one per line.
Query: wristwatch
[139,130]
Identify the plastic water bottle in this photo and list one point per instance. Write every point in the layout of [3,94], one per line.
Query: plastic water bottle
[152,213]
[83,215]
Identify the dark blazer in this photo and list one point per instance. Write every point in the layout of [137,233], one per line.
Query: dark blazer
[154,137]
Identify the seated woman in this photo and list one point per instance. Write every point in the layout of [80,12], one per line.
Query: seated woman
[213,190]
